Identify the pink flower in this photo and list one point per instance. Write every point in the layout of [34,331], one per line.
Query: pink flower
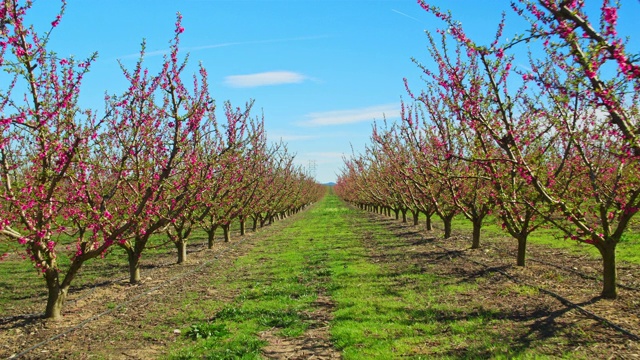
[55,22]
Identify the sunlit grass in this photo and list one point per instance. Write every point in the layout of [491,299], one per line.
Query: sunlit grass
[628,250]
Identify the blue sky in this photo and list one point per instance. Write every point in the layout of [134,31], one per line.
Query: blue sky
[321,71]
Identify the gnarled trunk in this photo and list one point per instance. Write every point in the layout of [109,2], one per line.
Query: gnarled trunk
[56,290]
[416,217]
[56,295]
[404,215]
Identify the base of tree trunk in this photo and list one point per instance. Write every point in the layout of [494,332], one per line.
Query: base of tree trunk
[475,240]
[428,224]
[447,227]
[522,250]
[181,246]
[609,271]
[55,299]
[134,267]
[227,235]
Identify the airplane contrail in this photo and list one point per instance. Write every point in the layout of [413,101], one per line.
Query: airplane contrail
[219,45]
[403,14]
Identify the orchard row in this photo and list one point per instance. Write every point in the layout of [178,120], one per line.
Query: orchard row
[74,183]
[546,136]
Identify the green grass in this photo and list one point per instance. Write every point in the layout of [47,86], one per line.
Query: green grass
[628,250]
[275,285]
[387,304]
[383,310]
[386,312]
[22,286]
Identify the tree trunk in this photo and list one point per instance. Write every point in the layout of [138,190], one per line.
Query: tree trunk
[609,271]
[56,296]
[181,246]
[242,227]
[416,217]
[475,240]
[522,250]
[397,212]
[134,266]
[227,235]
[254,226]
[404,215]
[211,236]
[428,224]
[447,226]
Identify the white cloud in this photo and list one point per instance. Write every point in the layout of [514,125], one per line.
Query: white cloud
[264,79]
[352,116]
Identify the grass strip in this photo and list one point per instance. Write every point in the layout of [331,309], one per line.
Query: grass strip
[387,305]
[276,286]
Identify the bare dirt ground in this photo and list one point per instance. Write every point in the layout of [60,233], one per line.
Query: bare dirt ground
[99,321]
[563,283]
[314,344]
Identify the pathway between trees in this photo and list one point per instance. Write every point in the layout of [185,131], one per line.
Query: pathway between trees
[331,282]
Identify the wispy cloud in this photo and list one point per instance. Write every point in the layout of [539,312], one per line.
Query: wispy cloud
[264,79]
[403,14]
[351,116]
[225,44]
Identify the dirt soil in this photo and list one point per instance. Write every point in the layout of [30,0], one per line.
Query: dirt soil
[94,327]
[315,344]
[98,321]
[567,284]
